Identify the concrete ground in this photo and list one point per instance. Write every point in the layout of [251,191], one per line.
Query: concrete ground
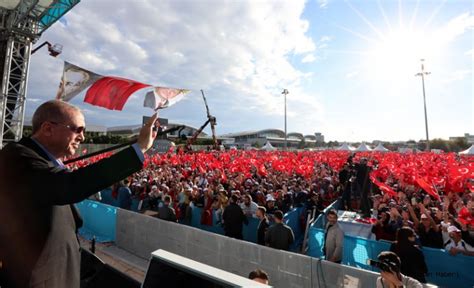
[119,259]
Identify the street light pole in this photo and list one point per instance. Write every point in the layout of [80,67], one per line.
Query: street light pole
[285,92]
[422,74]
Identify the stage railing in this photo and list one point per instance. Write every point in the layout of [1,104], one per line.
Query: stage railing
[443,269]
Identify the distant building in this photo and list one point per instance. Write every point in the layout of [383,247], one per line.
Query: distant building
[468,137]
[319,137]
[276,137]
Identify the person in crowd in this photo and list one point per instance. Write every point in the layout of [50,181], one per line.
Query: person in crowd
[382,229]
[166,212]
[333,238]
[154,198]
[124,195]
[38,243]
[344,176]
[428,231]
[411,257]
[271,206]
[279,235]
[456,245]
[315,204]
[263,224]
[391,276]
[259,276]
[248,206]
[233,218]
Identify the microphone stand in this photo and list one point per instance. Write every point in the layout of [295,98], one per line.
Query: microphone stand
[115,147]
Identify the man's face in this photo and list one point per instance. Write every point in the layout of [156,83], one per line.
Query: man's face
[456,236]
[247,201]
[332,219]
[64,140]
[259,213]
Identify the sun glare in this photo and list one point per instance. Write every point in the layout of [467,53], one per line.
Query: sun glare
[398,53]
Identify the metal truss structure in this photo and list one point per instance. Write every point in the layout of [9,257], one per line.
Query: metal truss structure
[21,24]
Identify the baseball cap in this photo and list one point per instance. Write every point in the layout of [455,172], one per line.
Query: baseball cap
[453,228]
[423,216]
[270,197]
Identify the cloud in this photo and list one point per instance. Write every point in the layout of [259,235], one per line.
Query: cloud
[238,52]
[352,74]
[323,4]
[458,75]
[455,27]
[308,58]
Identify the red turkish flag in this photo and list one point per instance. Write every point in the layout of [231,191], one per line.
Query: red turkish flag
[428,188]
[383,187]
[112,92]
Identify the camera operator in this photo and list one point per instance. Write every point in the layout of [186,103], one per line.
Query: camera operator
[390,276]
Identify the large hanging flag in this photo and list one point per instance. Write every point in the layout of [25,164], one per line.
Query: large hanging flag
[112,92]
[162,97]
[74,80]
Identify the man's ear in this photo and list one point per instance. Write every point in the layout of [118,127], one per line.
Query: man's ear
[46,129]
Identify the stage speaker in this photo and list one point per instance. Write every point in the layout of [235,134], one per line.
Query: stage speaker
[167,269]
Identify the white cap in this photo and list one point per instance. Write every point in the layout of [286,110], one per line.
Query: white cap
[270,197]
[423,216]
[453,229]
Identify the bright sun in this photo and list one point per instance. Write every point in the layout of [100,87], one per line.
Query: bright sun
[399,53]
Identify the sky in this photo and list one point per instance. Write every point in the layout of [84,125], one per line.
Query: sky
[349,66]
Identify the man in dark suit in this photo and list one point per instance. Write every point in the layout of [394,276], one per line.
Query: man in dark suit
[165,212]
[262,225]
[279,235]
[233,218]
[38,243]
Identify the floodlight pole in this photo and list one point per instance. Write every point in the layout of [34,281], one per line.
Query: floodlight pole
[422,74]
[285,92]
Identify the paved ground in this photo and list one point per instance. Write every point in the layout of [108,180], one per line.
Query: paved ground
[120,259]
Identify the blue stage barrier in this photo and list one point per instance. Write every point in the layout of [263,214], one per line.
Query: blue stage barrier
[249,231]
[443,269]
[292,219]
[107,198]
[134,205]
[449,271]
[99,220]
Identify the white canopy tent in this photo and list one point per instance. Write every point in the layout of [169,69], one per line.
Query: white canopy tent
[380,148]
[468,151]
[268,147]
[345,147]
[362,147]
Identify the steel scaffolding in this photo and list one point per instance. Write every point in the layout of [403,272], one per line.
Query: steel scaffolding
[21,25]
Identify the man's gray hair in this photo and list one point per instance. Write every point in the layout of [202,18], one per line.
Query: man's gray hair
[53,110]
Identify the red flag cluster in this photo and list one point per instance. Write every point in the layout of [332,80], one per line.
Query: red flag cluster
[428,171]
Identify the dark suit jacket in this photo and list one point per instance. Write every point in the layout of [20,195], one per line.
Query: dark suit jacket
[38,245]
[167,213]
[280,236]
[261,229]
[233,218]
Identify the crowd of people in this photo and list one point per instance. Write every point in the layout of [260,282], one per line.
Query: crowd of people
[401,211]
